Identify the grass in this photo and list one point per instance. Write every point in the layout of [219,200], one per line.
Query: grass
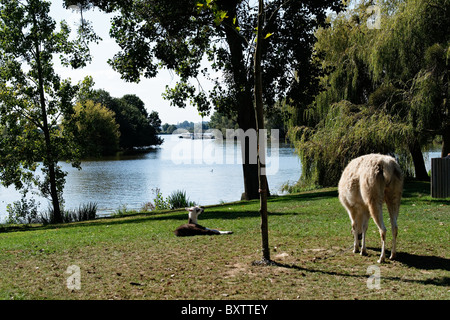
[138,257]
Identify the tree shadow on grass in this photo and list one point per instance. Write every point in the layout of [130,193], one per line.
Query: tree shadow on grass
[423,262]
[437,281]
[415,191]
[418,261]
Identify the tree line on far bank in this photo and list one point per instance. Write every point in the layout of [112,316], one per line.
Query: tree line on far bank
[106,124]
[276,119]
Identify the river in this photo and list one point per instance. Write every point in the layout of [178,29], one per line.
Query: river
[210,171]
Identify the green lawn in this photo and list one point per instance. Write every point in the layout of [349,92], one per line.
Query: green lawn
[138,257]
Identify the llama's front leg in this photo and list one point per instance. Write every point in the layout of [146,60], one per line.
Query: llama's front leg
[363,248]
[357,239]
[356,245]
[365,224]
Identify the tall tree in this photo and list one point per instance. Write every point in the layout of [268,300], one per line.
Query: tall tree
[33,98]
[155,121]
[96,130]
[180,35]
[259,115]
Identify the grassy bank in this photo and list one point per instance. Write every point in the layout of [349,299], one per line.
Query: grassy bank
[139,257]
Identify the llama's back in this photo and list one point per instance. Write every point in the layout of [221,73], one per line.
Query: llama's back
[365,179]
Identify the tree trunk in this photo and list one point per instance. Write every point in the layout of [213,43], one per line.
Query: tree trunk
[419,163]
[259,114]
[49,162]
[246,112]
[246,121]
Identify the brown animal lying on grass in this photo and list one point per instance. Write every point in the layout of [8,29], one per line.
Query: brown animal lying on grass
[194,229]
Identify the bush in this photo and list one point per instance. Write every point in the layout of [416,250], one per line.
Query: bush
[176,200]
[148,206]
[23,211]
[121,211]
[160,202]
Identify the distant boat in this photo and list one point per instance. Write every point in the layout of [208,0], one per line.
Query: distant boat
[197,135]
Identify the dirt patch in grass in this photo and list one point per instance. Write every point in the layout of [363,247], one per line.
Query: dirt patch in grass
[238,269]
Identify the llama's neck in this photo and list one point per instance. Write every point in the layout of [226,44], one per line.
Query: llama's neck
[192,218]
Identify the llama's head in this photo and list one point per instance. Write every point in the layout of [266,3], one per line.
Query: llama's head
[193,213]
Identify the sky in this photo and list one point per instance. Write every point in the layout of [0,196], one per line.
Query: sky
[149,90]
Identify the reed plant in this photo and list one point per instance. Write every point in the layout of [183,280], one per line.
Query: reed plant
[83,213]
[178,199]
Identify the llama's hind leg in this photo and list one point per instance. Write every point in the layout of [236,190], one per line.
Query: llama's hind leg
[394,238]
[377,215]
[393,207]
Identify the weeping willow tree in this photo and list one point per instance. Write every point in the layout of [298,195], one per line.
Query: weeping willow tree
[410,53]
[346,131]
[377,96]
[429,94]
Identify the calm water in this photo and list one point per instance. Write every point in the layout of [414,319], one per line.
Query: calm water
[210,171]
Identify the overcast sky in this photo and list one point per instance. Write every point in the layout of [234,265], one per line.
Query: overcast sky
[149,90]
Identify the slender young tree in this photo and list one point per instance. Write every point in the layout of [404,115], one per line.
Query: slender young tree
[34,99]
[259,115]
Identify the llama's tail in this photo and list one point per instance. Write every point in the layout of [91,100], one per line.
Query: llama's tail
[391,172]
